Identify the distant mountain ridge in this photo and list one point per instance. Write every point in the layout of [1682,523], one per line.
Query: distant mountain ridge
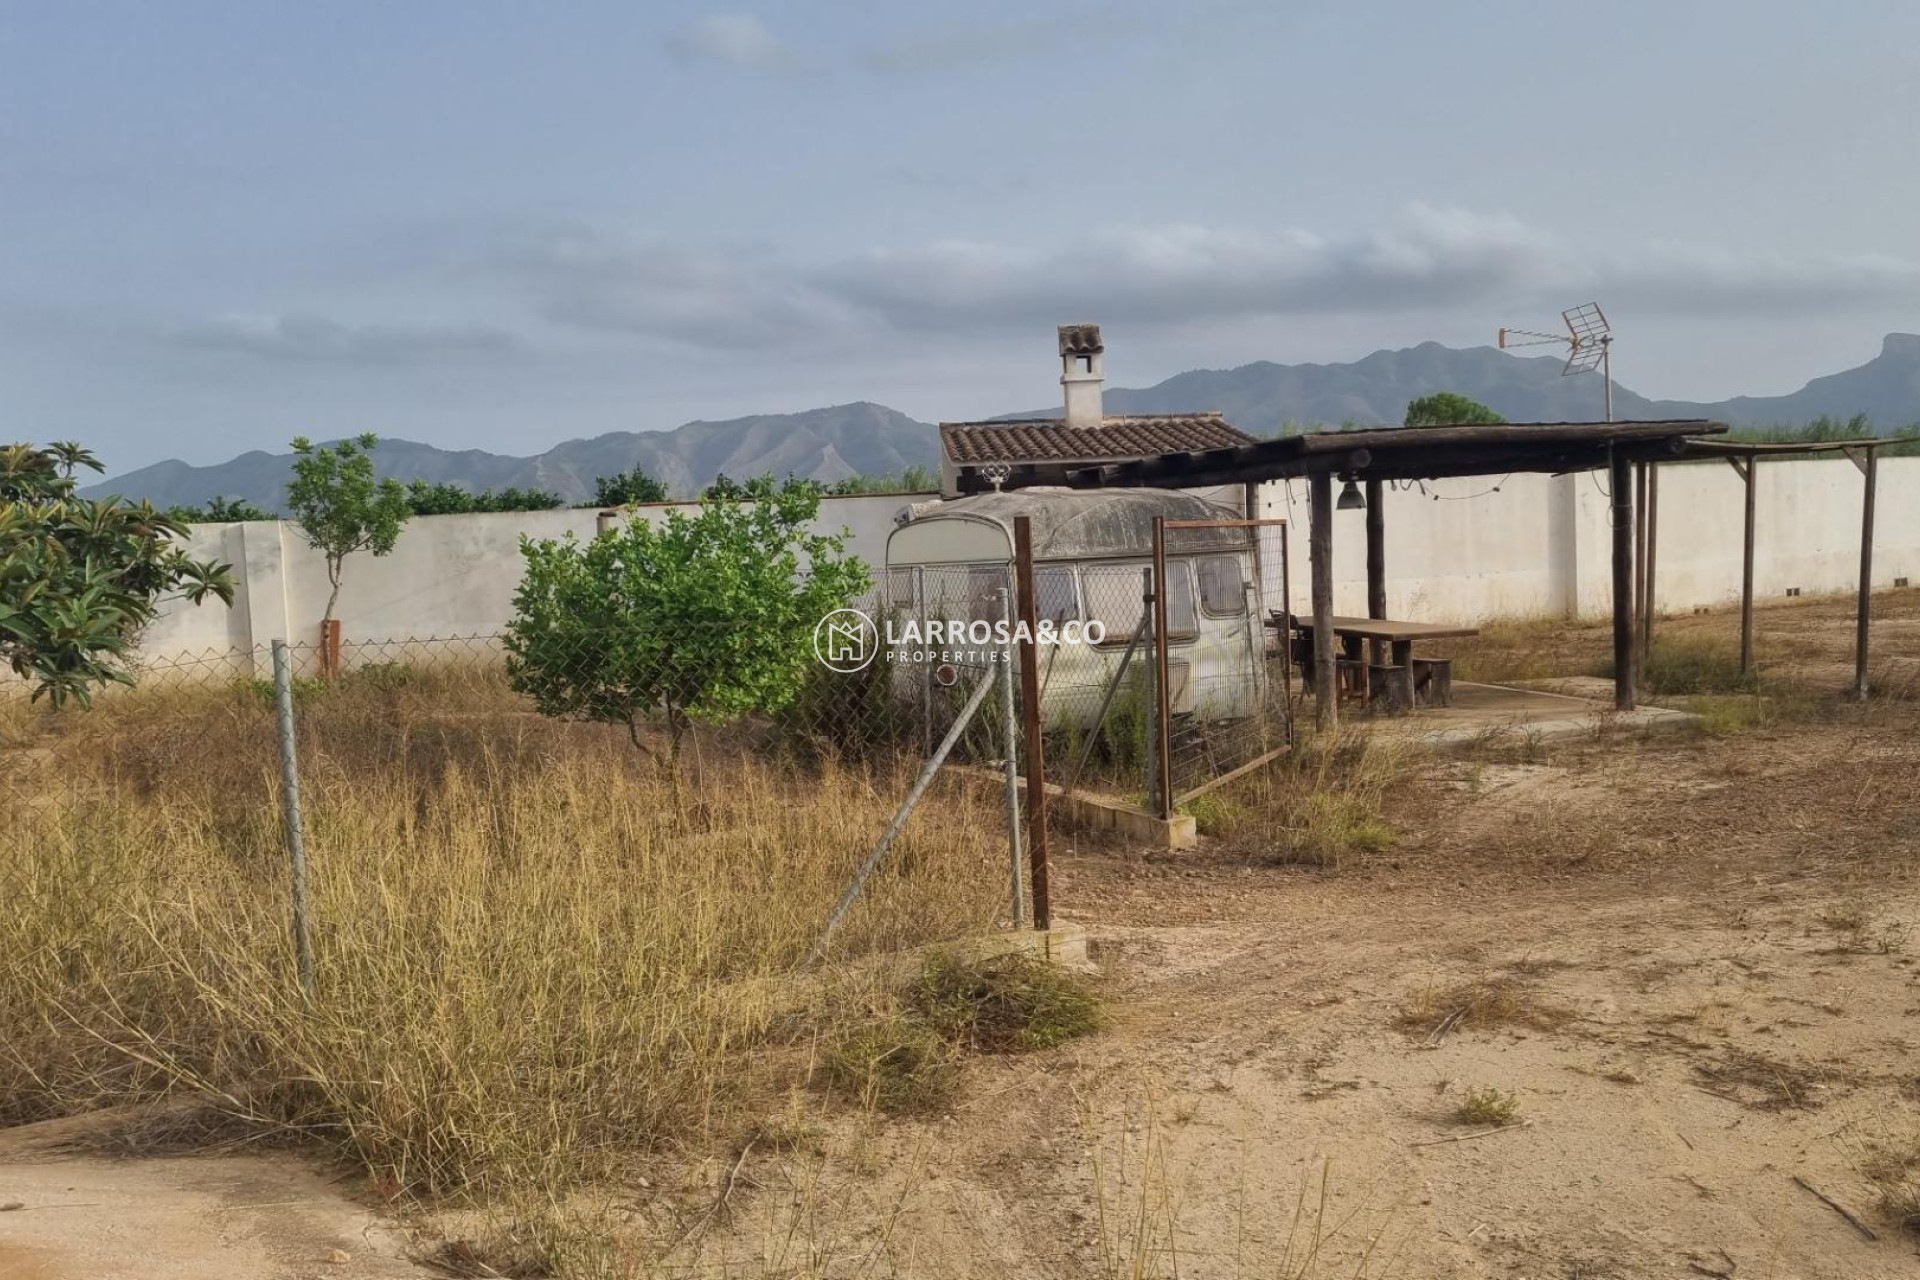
[1261,397]
[821,444]
[864,438]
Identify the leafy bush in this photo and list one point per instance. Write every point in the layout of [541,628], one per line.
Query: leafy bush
[425,499]
[625,487]
[220,510]
[1446,408]
[700,618]
[915,479]
[78,578]
[1004,1004]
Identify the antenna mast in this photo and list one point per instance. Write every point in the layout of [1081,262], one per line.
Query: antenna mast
[1588,340]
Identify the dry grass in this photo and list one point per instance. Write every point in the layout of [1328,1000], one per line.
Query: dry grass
[1486,1108]
[1892,1165]
[1321,806]
[905,1059]
[1763,1083]
[537,954]
[1484,1004]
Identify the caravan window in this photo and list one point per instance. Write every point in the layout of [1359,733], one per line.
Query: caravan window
[1055,596]
[1223,592]
[1112,593]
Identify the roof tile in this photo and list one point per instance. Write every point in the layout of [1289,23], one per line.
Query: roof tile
[1118,437]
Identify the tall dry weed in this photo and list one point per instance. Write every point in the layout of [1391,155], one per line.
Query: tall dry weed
[536,951]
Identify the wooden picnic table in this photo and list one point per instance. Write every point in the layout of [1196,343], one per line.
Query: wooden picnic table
[1400,637]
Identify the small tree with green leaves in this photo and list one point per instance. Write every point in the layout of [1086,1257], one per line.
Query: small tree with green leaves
[701,618]
[342,506]
[623,488]
[79,578]
[1447,408]
[220,510]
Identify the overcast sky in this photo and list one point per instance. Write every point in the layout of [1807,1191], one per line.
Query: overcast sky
[498,225]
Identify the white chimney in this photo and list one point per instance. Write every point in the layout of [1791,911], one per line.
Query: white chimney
[1081,352]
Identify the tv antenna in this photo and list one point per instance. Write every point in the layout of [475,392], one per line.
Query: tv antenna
[1588,340]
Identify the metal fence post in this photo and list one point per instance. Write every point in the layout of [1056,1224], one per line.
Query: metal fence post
[1150,688]
[290,813]
[1163,672]
[1011,749]
[1034,726]
[926,668]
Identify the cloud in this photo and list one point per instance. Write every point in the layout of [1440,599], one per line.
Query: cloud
[1426,260]
[312,339]
[723,296]
[1087,30]
[957,48]
[735,40]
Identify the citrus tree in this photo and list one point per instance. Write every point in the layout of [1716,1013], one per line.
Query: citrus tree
[1447,408]
[625,487]
[80,578]
[342,506]
[701,618]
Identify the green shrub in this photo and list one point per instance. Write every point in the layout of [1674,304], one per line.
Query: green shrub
[1007,1004]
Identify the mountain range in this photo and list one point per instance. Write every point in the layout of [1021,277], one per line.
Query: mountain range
[870,439]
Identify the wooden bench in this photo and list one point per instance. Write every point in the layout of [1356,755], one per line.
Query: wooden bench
[1421,681]
[1433,682]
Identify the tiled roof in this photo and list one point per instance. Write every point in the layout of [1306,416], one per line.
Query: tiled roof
[1052,440]
[1080,340]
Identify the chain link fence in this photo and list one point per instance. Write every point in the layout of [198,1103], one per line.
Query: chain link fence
[1227,681]
[1204,661]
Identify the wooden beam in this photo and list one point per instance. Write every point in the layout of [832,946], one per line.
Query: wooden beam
[1620,483]
[1748,475]
[1376,559]
[1870,469]
[1650,605]
[1320,555]
[1036,744]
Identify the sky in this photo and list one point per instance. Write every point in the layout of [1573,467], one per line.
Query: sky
[497,224]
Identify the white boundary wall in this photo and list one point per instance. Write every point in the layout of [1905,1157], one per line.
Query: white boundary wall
[1542,545]
[1461,550]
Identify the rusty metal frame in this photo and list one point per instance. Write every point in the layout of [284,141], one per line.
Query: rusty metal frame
[1165,802]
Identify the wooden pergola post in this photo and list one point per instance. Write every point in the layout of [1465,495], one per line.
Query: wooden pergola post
[1868,460]
[1648,588]
[1376,560]
[1320,557]
[1639,545]
[1746,471]
[1621,484]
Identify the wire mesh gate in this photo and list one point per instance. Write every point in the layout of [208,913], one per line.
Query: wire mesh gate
[1218,711]
[1185,690]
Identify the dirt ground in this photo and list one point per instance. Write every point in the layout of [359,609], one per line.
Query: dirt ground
[1700,955]
[67,1216]
[1689,962]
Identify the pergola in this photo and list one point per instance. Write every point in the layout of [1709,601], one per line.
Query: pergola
[1744,458]
[1375,455]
